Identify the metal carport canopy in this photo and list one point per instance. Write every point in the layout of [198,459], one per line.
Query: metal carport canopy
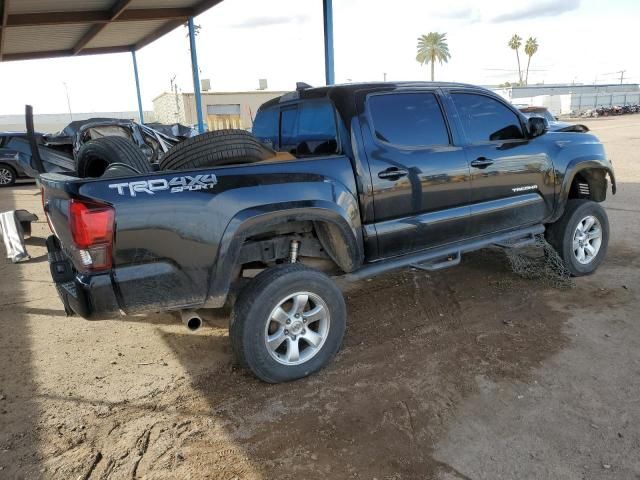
[36,29]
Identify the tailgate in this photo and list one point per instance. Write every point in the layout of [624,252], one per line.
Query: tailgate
[160,252]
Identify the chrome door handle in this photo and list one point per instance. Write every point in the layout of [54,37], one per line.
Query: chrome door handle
[481,162]
[392,173]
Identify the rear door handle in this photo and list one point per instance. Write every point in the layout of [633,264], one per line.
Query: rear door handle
[392,173]
[481,162]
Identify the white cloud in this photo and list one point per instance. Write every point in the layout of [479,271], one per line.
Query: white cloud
[538,8]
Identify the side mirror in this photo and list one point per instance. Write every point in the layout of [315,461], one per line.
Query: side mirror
[537,126]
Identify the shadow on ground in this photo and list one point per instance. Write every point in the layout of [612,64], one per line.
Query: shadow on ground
[19,409]
[416,345]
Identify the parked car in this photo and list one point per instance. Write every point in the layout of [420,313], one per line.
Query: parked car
[377,177]
[15,158]
[10,169]
[553,123]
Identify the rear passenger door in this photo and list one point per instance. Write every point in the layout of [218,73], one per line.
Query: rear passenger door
[420,179]
[512,177]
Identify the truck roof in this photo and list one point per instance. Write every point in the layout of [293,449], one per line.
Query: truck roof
[340,91]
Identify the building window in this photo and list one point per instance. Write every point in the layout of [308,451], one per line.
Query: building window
[220,117]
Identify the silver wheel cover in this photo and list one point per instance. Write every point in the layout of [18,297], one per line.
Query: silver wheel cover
[297,328]
[587,239]
[6,176]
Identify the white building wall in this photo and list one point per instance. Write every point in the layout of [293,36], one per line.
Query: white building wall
[575,103]
[169,108]
[165,105]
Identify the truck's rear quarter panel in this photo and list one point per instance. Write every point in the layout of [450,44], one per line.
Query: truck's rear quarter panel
[167,243]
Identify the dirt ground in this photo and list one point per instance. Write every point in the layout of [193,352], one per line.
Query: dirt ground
[468,373]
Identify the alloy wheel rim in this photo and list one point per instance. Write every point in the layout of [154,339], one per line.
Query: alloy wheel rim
[297,328]
[5,176]
[587,239]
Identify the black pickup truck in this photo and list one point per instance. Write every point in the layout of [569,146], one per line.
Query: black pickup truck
[380,177]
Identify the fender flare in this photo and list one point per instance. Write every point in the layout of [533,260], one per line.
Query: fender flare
[253,220]
[573,168]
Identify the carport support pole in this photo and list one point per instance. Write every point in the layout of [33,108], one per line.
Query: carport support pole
[135,74]
[327,13]
[196,75]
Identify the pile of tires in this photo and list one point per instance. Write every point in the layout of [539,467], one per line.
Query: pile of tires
[97,156]
[117,155]
[214,149]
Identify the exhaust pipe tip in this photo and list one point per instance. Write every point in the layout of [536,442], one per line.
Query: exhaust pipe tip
[191,320]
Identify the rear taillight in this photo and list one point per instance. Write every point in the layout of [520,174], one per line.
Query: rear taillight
[92,233]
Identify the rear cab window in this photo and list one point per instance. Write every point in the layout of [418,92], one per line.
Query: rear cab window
[412,119]
[486,119]
[304,128]
[265,126]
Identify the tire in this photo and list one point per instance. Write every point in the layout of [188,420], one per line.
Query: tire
[7,176]
[96,155]
[251,323]
[212,149]
[561,236]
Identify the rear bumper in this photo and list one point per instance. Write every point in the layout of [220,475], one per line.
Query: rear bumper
[90,296]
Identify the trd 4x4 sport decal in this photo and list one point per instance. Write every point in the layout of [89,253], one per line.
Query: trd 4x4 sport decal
[185,183]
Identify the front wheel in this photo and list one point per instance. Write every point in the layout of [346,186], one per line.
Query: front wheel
[288,323]
[581,236]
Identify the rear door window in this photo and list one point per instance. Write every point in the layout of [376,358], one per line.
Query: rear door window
[288,128]
[316,133]
[408,119]
[19,144]
[309,128]
[303,129]
[485,119]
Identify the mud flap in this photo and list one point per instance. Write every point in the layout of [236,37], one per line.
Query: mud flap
[61,273]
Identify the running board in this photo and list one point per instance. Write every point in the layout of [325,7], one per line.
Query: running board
[450,260]
[446,256]
[518,242]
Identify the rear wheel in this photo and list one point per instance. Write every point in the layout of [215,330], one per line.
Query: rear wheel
[288,323]
[7,176]
[95,156]
[581,236]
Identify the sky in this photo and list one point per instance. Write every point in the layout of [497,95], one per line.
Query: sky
[241,41]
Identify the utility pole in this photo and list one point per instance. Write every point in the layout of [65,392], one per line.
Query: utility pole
[196,73]
[622,72]
[385,76]
[174,90]
[66,89]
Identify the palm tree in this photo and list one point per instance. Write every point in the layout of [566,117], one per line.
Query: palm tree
[433,47]
[514,44]
[530,48]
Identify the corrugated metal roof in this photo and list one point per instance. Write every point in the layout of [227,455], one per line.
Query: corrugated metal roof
[55,37]
[54,28]
[160,4]
[39,6]
[118,34]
